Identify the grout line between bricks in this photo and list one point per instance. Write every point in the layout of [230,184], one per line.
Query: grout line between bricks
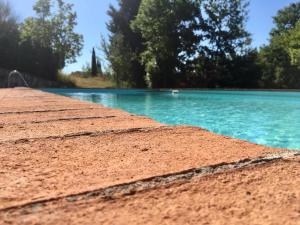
[45,111]
[59,119]
[130,188]
[88,133]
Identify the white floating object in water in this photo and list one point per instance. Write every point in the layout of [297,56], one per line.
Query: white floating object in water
[175,91]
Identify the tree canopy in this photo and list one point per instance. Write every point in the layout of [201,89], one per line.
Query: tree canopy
[9,35]
[183,40]
[225,43]
[54,30]
[167,28]
[125,45]
[40,45]
[286,19]
[159,44]
[280,59]
[200,43]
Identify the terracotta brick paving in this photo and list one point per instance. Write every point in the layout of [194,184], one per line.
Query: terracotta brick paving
[53,147]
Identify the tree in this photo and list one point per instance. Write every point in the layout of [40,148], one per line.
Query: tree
[54,30]
[200,43]
[193,41]
[286,19]
[224,27]
[280,59]
[9,36]
[7,17]
[94,63]
[125,45]
[167,28]
[222,24]
[37,60]
[293,44]
[25,56]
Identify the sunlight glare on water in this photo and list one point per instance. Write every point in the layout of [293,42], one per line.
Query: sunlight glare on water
[268,118]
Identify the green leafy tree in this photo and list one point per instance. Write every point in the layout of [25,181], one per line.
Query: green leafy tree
[125,45]
[286,19]
[94,63]
[121,59]
[224,27]
[167,28]
[222,23]
[280,59]
[37,60]
[9,36]
[193,41]
[200,43]
[54,30]
[292,40]
[23,55]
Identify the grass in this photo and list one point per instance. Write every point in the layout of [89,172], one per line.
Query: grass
[83,81]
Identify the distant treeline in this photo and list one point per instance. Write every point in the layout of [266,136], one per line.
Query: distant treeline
[200,43]
[159,44]
[39,45]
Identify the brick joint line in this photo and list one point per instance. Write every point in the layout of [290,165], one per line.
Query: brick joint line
[45,111]
[88,133]
[59,119]
[131,188]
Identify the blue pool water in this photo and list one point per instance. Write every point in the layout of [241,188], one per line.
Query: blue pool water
[268,118]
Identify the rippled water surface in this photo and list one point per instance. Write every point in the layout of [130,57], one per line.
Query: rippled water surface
[268,118]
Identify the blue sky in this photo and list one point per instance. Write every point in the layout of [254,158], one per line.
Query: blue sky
[92,20]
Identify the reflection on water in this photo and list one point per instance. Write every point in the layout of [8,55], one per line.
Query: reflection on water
[269,118]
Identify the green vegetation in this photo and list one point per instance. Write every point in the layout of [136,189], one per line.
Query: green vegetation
[200,43]
[157,44]
[54,30]
[280,65]
[41,45]
[94,64]
[81,80]
[167,30]
[125,45]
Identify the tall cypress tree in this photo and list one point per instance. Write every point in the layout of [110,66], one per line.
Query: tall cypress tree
[94,63]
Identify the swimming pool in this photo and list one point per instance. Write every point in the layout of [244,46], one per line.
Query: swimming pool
[265,117]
